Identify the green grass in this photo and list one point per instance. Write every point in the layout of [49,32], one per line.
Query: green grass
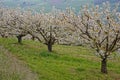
[64,63]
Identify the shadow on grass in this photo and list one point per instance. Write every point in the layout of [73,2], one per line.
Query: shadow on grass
[49,54]
[80,69]
[16,43]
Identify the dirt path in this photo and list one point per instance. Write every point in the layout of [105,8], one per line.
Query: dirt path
[11,65]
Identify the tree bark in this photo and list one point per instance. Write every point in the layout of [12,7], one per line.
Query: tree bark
[33,38]
[19,37]
[104,65]
[3,36]
[49,47]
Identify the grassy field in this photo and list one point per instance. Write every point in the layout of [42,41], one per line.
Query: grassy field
[64,63]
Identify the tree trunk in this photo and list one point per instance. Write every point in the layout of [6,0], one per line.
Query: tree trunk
[49,47]
[19,37]
[104,65]
[3,36]
[33,38]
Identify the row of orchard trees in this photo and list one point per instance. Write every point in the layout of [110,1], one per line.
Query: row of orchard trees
[97,26]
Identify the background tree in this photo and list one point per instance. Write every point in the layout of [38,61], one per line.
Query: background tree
[49,29]
[4,19]
[47,25]
[17,18]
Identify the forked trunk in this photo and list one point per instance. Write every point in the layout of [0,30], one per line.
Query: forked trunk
[19,37]
[33,38]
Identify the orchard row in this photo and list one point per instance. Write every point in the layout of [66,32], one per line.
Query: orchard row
[97,26]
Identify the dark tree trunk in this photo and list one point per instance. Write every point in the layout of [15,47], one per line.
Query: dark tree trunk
[49,47]
[3,36]
[19,37]
[33,38]
[104,65]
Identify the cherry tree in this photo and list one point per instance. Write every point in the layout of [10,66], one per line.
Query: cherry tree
[2,22]
[99,27]
[49,29]
[4,19]
[47,25]
[16,21]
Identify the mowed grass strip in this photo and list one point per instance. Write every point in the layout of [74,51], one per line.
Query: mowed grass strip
[64,63]
[5,72]
[11,68]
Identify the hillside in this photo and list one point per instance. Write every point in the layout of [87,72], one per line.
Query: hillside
[64,63]
[48,4]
